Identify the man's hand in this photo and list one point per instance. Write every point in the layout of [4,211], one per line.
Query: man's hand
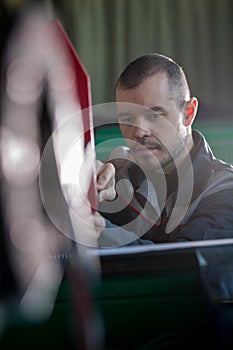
[105,181]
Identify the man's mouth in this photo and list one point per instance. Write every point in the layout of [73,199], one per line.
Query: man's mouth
[147,151]
[147,148]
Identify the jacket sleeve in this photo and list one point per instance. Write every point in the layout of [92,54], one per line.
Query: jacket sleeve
[212,219]
[115,236]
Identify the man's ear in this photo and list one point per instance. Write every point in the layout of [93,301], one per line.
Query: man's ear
[190,111]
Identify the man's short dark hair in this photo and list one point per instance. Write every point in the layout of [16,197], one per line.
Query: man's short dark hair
[145,66]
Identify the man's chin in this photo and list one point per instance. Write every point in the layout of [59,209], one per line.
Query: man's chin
[152,163]
[148,163]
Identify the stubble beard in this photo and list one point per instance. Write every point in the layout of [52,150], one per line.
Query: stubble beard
[171,153]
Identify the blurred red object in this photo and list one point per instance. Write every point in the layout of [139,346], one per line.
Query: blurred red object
[83,88]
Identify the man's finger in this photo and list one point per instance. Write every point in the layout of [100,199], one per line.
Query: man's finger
[105,176]
[108,194]
[99,222]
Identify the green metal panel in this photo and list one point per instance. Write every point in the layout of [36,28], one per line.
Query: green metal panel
[219,134]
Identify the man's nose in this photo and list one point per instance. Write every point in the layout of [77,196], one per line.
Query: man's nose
[141,128]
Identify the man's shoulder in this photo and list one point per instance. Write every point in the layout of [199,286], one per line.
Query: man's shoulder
[205,157]
[220,165]
[222,174]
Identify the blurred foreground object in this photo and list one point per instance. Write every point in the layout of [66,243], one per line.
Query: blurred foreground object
[41,67]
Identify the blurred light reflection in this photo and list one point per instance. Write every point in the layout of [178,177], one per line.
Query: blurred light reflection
[20,159]
[27,235]
[24,81]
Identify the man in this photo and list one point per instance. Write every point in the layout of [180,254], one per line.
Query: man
[171,187]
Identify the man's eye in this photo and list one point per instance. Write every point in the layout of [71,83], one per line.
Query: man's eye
[127,119]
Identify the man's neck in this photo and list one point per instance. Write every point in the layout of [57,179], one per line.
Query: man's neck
[180,159]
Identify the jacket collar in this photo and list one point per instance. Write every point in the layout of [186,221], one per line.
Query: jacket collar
[202,159]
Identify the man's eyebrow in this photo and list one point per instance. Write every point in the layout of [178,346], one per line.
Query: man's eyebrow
[147,110]
[157,109]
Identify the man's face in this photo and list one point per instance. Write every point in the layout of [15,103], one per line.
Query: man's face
[151,122]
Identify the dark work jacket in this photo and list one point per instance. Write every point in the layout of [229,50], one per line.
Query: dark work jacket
[195,202]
